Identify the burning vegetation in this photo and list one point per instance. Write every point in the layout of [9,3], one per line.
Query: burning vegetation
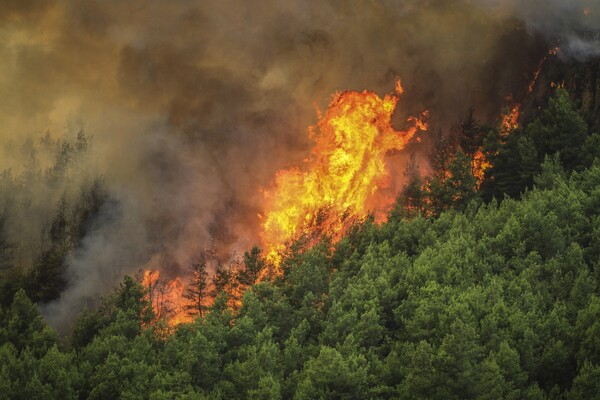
[341,181]
[452,254]
[344,180]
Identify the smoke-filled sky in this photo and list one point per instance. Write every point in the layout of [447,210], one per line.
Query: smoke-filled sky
[193,105]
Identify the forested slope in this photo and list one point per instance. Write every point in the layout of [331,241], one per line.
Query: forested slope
[463,293]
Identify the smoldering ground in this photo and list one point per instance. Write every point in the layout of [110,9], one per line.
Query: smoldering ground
[193,105]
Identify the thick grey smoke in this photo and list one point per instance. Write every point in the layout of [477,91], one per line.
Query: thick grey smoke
[194,105]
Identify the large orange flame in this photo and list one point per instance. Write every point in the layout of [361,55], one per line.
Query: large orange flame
[340,181]
[339,184]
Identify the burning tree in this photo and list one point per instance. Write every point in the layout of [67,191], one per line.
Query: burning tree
[342,176]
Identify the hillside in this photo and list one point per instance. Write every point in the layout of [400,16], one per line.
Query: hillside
[338,200]
[451,298]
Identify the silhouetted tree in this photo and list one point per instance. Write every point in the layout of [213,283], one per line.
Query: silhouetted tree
[470,134]
[221,279]
[197,290]
[442,152]
[412,197]
[253,265]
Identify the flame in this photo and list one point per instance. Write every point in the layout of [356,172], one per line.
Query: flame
[150,278]
[341,180]
[479,165]
[166,298]
[587,12]
[510,120]
[552,52]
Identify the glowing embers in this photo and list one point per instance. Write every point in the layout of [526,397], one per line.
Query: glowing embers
[341,180]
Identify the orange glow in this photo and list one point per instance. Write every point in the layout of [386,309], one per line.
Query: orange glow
[479,165]
[340,181]
[510,120]
[150,278]
[552,52]
[587,12]
[166,298]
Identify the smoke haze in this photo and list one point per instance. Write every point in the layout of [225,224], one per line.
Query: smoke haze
[193,105]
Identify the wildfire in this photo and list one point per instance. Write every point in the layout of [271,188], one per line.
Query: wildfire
[479,164]
[510,120]
[552,52]
[166,298]
[341,182]
[341,179]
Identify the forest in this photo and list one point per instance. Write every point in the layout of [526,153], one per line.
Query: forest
[474,288]
[279,199]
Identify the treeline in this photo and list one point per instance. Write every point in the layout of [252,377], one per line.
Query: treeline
[479,294]
[47,206]
[476,162]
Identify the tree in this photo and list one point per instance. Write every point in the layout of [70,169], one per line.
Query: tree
[441,154]
[253,265]
[46,280]
[197,290]
[332,376]
[590,150]
[82,143]
[25,327]
[514,161]
[221,279]
[87,209]
[454,190]
[587,384]
[461,181]
[471,137]
[132,301]
[412,198]
[47,277]
[62,164]
[560,128]
[59,229]
[6,246]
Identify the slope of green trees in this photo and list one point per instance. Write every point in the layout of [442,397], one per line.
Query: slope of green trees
[484,294]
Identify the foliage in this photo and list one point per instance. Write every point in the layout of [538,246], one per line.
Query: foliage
[452,299]
[496,302]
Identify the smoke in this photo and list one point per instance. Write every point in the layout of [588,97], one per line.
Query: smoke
[575,24]
[194,105]
[572,24]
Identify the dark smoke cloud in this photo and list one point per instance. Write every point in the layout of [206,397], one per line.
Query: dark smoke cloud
[194,105]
